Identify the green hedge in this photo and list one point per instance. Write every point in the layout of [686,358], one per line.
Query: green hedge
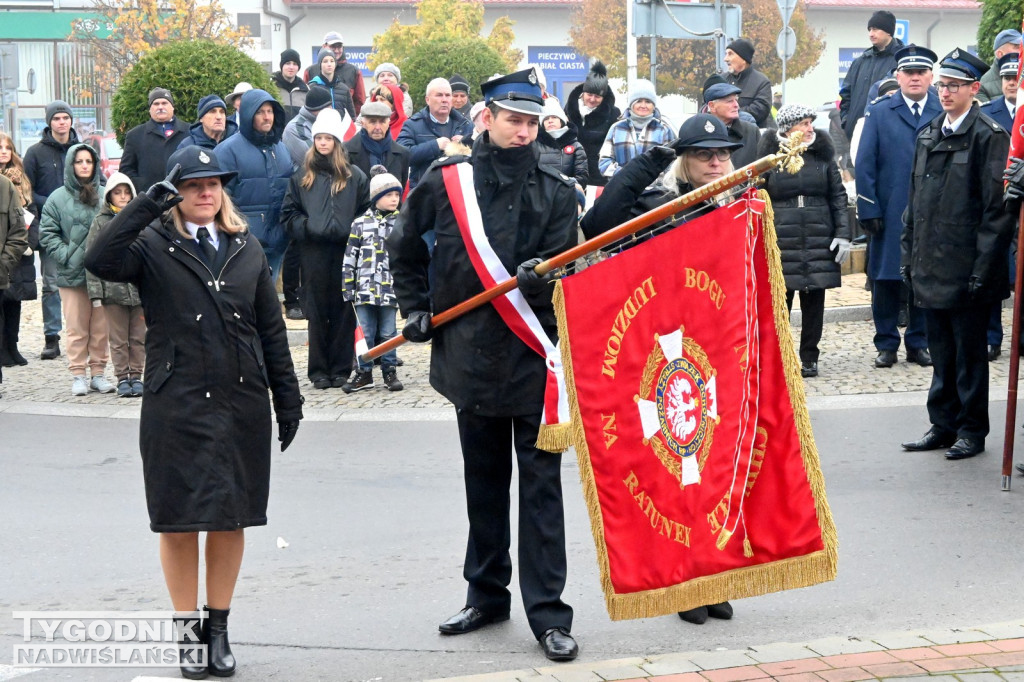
[996,15]
[190,70]
[472,57]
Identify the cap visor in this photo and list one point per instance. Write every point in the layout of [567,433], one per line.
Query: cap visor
[955,73]
[705,144]
[521,106]
[225,176]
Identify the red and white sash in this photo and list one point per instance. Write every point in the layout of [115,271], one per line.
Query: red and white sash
[554,433]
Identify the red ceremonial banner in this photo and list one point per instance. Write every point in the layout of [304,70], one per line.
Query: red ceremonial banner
[689,419]
[1017,134]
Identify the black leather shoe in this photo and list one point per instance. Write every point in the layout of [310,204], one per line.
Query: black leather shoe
[933,440]
[559,645]
[468,620]
[994,352]
[190,635]
[215,625]
[697,616]
[808,369]
[921,356]
[965,447]
[886,358]
[721,611]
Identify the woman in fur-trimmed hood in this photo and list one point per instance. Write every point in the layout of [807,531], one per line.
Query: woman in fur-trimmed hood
[811,222]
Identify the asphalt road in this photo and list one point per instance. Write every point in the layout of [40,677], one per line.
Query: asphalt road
[374,517]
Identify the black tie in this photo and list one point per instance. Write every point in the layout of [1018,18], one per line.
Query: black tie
[205,246]
[946,131]
[917,112]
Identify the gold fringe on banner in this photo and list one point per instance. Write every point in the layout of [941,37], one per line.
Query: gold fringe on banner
[554,437]
[787,574]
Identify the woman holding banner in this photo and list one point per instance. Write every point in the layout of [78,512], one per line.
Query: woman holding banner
[701,154]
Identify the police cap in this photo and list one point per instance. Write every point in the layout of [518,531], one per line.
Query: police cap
[963,65]
[703,131]
[519,91]
[914,57]
[1008,64]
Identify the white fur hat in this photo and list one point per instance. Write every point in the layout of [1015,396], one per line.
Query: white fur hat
[328,122]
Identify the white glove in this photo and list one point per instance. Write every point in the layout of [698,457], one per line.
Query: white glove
[842,249]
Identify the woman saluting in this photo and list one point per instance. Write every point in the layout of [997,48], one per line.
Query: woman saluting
[216,342]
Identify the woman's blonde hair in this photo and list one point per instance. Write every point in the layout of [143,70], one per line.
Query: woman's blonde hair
[385,92]
[338,162]
[24,186]
[676,176]
[228,219]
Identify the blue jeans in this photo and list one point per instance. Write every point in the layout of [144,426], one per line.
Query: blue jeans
[275,255]
[378,323]
[51,295]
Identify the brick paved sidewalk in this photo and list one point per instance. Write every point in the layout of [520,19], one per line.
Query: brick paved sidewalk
[981,654]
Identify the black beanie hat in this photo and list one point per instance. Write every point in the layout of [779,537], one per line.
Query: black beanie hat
[58,106]
[458,83]
[290,55]
[317,98]
[744,48]
[597,80]
[883,20]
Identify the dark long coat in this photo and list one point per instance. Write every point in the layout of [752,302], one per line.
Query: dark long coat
[810,211]
[592,130]
[476,361]
[397,161]
[146,150]
[213,347]
[866,70]
[956,224]
[884,160]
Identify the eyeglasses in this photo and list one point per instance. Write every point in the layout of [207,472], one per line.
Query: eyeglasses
[952,87]
[704,155]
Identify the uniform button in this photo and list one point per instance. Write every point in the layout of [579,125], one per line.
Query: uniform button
[222,283]
[209,284]
[171,249]
[168,367]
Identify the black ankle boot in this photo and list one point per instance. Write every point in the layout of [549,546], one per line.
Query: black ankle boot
[221,660]
[16,355]
[192,659]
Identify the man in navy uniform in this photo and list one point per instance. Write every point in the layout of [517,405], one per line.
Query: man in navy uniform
[883,163]
[1002,110]
[492,377]
[954,253]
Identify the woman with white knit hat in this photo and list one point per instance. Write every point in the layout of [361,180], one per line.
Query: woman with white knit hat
[324,196]
[642,127]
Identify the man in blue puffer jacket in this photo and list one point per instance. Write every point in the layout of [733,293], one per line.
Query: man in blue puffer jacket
[264,168]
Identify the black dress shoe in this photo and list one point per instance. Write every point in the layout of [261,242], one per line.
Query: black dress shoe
[886,358]
[965,447]
[933,440]
[321,383]
[994,352]
[808,369]
[920,356]
[697,616]
[721,611]
[468,620]
[559,645]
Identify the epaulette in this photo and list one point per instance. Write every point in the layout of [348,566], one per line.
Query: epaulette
[554,172]
[982,116]
[881,97]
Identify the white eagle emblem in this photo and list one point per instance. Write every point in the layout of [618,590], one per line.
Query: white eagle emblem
[708,126]
[203,158]
[532,77]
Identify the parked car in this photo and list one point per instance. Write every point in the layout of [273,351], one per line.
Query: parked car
[109,150]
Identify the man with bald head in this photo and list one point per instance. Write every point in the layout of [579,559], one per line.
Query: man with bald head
[427,133]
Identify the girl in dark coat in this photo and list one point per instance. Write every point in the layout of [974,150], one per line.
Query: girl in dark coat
[559,147]
[23,276]
[341,96]
[323,199]
[216,343]
[811,222]
[701,154]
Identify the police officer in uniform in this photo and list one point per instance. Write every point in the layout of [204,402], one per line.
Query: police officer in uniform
[495,381]
[885,155]
[954,253]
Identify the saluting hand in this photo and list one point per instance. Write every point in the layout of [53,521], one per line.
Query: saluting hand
[164,193]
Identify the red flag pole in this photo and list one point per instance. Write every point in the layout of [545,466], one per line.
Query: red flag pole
[653,216]
[1012,381]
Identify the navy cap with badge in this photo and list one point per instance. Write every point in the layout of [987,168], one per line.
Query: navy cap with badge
[519,92]
[1008,64]
[703,131]
[915,58]
[197,162]
[962,65]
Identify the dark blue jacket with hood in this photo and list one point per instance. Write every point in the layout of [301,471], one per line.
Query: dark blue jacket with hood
[264,168]
[198,137]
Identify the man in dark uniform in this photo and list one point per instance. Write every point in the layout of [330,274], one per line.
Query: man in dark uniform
[884,159]
[954,253]
[494,379]
[1002,110]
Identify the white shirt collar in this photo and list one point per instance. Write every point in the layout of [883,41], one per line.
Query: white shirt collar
[911,103]
[954,125]
[1010,106]
[212,228]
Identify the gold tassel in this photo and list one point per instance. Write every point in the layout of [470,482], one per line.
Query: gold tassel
[723,538]
[554,437]
[748,551]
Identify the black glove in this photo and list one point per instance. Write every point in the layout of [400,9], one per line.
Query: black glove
[286,433]
[975,286]
[661,157]
[872,226]
[164,193]
[528,280]
[417,328]
[1014,177]
[905,276]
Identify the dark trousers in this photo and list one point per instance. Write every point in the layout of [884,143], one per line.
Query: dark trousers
[958,397]
[331,320]
[10,321]
[812,317]
[885,309]
[290,274]
[487,444]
